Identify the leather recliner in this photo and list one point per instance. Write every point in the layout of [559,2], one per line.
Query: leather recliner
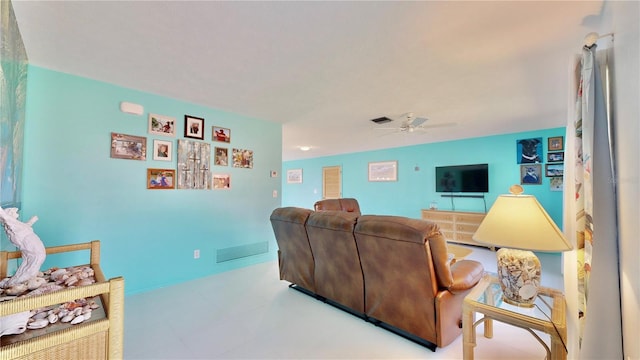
[295,258]
[390,270]
[408,281]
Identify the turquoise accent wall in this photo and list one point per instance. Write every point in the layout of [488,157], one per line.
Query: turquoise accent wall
[80,193]
[415,188]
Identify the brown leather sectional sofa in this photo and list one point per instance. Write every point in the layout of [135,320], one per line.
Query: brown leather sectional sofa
[389,270]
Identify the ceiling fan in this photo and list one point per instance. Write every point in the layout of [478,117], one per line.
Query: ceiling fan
[410,124]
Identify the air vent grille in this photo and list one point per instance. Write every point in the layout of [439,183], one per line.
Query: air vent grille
[381,120]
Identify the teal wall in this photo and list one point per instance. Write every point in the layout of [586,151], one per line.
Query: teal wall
[415,189]
[80,193]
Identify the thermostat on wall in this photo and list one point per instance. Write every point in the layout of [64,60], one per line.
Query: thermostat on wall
[131,108]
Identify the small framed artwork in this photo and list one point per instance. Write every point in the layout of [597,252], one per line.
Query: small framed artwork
[221,181]
[162,150]
[193,127]
[221,156]
[554,169]
[242,158]
[221,134]
[556,143]
[383,171]
[529,151]
[128,147]
[531,174]
[294,176]
[161,179]
[162,125]
[555,157]
[556,183]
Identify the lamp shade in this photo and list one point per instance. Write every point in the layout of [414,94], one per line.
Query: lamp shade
[520,222]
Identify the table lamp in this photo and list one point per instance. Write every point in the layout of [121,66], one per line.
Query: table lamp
[516,224]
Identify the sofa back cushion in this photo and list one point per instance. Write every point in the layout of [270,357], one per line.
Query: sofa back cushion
[401,281]
[344,204]
[338,274]
[294,252]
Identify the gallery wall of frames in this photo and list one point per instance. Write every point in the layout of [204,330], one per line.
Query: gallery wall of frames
[192,166]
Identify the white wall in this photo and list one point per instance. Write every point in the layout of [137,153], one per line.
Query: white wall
[626,20]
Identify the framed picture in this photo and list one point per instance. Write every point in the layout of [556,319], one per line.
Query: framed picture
[555,157]
[162,125]
[529,151]
[243,158]
[162,150]
[221,134]
[161,179]
[194,163]
[294,176]
[383,171]
[221,181]
[556,183]
[221,156]
[531,174]
[554,169]
[193,127]
[556,143]
[128,147]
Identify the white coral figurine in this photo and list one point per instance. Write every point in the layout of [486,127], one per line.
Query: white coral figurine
[22,236]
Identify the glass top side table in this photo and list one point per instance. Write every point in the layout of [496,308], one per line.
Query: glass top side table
[486,299]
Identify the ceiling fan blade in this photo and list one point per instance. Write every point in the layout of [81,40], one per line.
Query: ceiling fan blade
[433,126]
[417,121]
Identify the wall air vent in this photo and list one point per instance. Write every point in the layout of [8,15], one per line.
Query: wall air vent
[381,120]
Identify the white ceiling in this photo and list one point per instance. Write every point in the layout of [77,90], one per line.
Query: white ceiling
[324,69]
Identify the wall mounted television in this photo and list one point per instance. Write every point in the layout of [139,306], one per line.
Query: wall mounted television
[463,178]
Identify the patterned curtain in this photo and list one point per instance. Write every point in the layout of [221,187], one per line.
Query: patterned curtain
[583,146]
[595,211]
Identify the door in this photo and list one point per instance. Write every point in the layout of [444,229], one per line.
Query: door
[331,182]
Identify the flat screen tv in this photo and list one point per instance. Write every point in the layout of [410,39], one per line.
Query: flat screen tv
[463,178]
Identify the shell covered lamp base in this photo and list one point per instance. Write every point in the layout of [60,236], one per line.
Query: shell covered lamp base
[519,274]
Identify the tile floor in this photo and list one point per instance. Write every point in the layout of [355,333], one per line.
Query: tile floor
[249,314]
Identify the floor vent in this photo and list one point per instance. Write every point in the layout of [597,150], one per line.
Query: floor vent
[237,252]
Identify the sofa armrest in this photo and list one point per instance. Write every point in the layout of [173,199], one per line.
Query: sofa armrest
[466,274]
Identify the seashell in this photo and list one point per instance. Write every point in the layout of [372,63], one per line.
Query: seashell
[35,283]
[77,319]
[57,275]
[16,289]
[85,282]
[67,318]
[52,318]
[528,291]
[87,315]
[77,311]
[71,280]
[40,315]
[38,324]
[44,289]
